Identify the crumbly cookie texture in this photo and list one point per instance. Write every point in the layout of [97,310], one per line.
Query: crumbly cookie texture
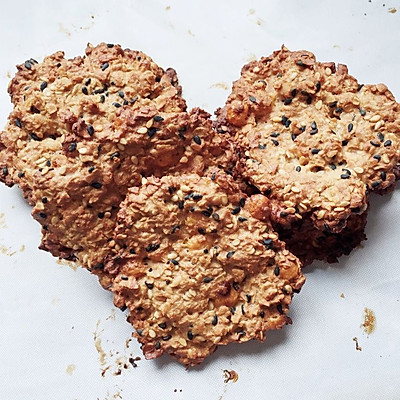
[84,130]
[312,138]
[196,269]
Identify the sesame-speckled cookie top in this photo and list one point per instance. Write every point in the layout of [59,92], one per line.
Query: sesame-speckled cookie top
[196,269]
[311,137]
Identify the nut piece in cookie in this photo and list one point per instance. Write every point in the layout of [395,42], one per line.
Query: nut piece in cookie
[196,269]
[311,138]
[83,130]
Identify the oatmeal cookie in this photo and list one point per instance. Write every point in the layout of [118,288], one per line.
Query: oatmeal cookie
[196,269]
[84,130]
[312,138]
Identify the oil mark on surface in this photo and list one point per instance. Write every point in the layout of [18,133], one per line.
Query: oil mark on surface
[167,8]
[259,21]
[191,33]
[7,251]
[369,323]
[112,315]
[63,29]
[2,221]
[22,248]
[70,369]
[220,85]
[357,345]
[230,376]
[97,344]
[252,11]
[252,57]
[55,301]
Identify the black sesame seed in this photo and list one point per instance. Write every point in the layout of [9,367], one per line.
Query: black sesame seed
[196,139]
[174,262]
[215,320]
[91,169]
[233,310]
[349,127]
[163,325]
[48,163]
[347,171]
[383,175]
[158,118]
[134,99]
[42,215]
[151,132]
[298,168]
[125,103]
[300,63]
[121,94]
[114,155]
[181,205]
[315,151]
[313,125]
[21,174]
[293,92]
[374,143]
[100,215]
[34,136]
[43,85]
[274,134]
[216,217]
[235,211]
[207,279]
[287,101]
[149,285]
[314,131]
[157,345]
[152,247]
[360,87]
[248,298]
[110,45]
[96,185]
[332,167]
[98,266]
[117,105]
[380,136]
[268,243]
[44,200]
[318,86]
[72,147]
[102,98]
[85,90]
[309,99]
[387,143]
[242,308]
[283,214]
[345,176]
[88,82]
[333,104]
[277,271]
[242,202]
[124,278]
[279,308]
[262,314]
[262,146]
[275,142]
[252,99]
[105,66]
[175,228]
[375,184]
[345,142]
[201,231]
[293,136]
[242,219]
[5,171]
[339,110]
[377,157]
[190,335]
[18,122]
[206,213]
[230,254]
[205,251]
[235,286]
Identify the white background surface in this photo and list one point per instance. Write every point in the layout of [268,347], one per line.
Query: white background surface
[49,313]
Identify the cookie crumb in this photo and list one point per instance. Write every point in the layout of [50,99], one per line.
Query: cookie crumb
[369,323]
[230,376]
[358,347]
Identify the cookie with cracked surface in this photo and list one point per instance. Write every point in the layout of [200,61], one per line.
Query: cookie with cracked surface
[99,124]
[312,138]
[196,269]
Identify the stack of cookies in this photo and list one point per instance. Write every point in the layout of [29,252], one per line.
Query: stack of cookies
[199,228]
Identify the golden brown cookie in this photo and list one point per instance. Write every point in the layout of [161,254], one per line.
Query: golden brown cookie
[312,138]
[84,130]
[196,269]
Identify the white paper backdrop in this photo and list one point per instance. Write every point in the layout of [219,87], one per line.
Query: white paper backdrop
[59,332]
